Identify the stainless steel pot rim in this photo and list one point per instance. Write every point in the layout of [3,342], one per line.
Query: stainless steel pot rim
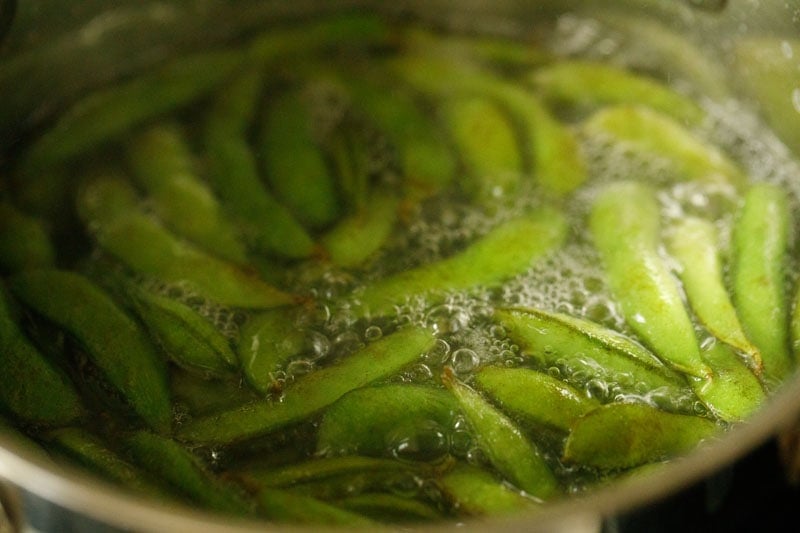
[85,495]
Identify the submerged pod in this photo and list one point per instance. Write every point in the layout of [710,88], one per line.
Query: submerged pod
[758,274]
[534,397]
[175,465]
[293,161]
[267,342]
[161,162]
[504,445]
[404,420]
[114,342]
[624,435]
[586,85]
[734,392]
[110,210]
[476,492]
[390,508]
[693,242]
[312,392]
[555,339]
[187,338]
[32,390]
[625,227]
[507,250]
[767,69]
[107,114]
[285,506]
[651,134]
[24,242]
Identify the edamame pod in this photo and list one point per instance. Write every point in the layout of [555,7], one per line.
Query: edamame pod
[187,338]
[758,266]
[357,237]
[506,448]
[557,339]
[162,163]
[32,389]
[115,343]
[110,210]
[107,114]
[733,393]
[693,242]
[624,435]
[476,492]
[267,341]
[93,453]
[625,227]
[293,161]
[314,391]
[402,420]
[390,508]
[487,143]
[24,242]
[534,397]
[587,85]
[767,69]
[653,134]
[507,250]
[284,506]
[205,396]
[167,460]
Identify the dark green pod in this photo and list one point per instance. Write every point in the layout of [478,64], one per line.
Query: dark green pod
[24,241]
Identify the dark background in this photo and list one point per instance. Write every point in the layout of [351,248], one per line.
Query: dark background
[752,495]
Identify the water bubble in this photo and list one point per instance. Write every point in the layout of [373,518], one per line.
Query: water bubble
[421,441]
[299,367]
[347,341]
[373,333]
[597,388]
[438,354]
[464,360]
[319,345]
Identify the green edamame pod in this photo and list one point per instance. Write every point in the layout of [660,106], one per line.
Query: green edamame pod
[293,161]
[507,250]
[107,114]
[768,74]
[114,342]
[625,226]
[390,508]
[693,242]
[162,163]
[313,391]
[534,397]
[110,209]
[284,506]
[12,439]
[324,468]
[506,448]
[760,247]
[24,242]
[476,492]
[403,420]
[267,341]
[204,396]
[733,393]
[586,85]
[555,338]
[170,462]
[187,338]
[93,453]
[654,134]
[267,225]
[32,389]
[627,435]
[357,237]
[488,145]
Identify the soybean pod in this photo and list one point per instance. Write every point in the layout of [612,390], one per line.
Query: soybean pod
[760,247]
[312,392]
[507,250]
[625,227]
[24,241]
[115,343]
[477,492]
[109,208]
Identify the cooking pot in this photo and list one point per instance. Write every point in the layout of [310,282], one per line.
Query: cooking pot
[54,50]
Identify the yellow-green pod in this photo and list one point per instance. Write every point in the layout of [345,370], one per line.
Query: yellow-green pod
[476,492]
[625,225]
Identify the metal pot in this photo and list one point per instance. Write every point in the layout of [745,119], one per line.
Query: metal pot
[60,49]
